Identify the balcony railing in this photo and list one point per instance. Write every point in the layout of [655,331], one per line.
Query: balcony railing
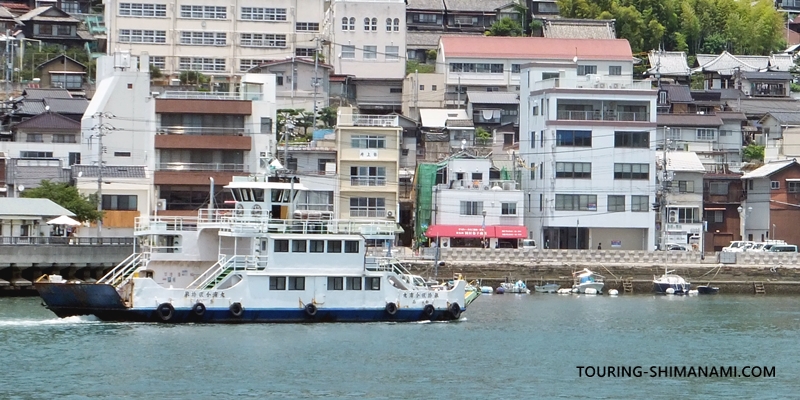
[368,120]
[202,130]
[191,95]
[214,167]
[368,181]
[67,241]
[638,116]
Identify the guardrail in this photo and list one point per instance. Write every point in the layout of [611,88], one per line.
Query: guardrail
[65,241]
[213,167]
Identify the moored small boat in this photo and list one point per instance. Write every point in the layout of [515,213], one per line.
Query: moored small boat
[547,288]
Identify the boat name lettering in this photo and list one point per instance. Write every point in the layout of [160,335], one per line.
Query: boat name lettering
[422,295]
[206,294]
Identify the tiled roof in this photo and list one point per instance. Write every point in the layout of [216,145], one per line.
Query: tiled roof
[67,106]
[727,63]
[425,5]
[788,118]
[731,116]
[38,94]
[492,97]
[701,120]
[61,57]
[37,14]
[768,76]
[678,93]
[768,169]
[670,63]
[686,161]
[109,171]
[759,107]
[421,39]
[494,47]
[781,62]
[29,107]
[563,28]
[474,5]
[32,207]
[49,120]
[6,15]
[459,123]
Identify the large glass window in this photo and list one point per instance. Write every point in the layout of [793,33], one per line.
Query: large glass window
[263,14]
[368,176]
[201,64]
[632,139]
[574,138]
[573,170]
[368,207]
[471,208]
[198,38]
[262,40]
[204,12]
[616,203]
[640,203]
[368,141]
[119,202]
[631,171]
[576,202]
[142,10]
[142,36]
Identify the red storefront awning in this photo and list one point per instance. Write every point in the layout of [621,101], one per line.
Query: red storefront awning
[476,231]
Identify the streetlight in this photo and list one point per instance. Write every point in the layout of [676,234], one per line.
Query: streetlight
[743,217]
[483,229]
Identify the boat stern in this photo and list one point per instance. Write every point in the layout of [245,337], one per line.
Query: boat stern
[69,299]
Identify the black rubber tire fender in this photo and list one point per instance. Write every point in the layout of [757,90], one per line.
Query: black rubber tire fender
[198,309]
[455,310]
[165,311]
[236,309]
[311,309]
[391,308]
[429,310]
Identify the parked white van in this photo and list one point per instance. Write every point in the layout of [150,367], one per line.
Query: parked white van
[528,244]
[783,248]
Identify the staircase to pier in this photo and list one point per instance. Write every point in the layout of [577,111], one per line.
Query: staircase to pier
[759,288]
[627,285]
[123,272]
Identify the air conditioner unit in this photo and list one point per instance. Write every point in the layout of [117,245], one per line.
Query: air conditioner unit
[162,204]
[616,86]
[673,217]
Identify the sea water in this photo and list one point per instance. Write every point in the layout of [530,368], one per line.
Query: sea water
[505,346]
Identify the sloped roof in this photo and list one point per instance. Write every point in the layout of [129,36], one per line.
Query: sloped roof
[785,118]
[678,93]
[29,107]
[684,161]
[474,5]
[47,13]
[32,207]
[438,117]
[563,28]
[494,47]
[759,106]
[731,115]
[419,39]
[781,62]
[67,106]
[437,5]
[670,63]
[726,63]
[63,57]
[49,120]
[701,120]
[39,94]
[7,15]
[492,97]
[768,75]
[109,171]
[768,169]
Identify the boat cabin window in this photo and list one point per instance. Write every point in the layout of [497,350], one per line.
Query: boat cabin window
[334,246]
[298,246]
[372,283]
[297,283]
[354,283]
[316,246]
[281,246]
[351,246]
[281,195]
[236,195]
[246,195]
[335,283]
[277,283]
[258,195]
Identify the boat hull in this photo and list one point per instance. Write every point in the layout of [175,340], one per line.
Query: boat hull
[548,288]
[66,300]
[679,288]
[581,288]
[707,290]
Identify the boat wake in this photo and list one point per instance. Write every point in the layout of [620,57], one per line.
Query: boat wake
[82,319]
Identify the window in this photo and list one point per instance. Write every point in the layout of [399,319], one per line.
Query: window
[616,203]
[573,170]
[372,283]
[718,188]
[368,141]
[533,170]
[371,24]
[348,24]
[396,25]
[34,138]
[392,53]
[263,14]
[204,38]
[615,70]
[36,154]
[587,69]
[351,246]
[246,64]
[348,51]
[576,202]
[549,75]
[368,176]
[631,171]
[793,186]
[574,138]
[71,7]
[370,52]
[334,246]
[433,88]
[281,246]
[686,186]
[299,246]
[477,176]
[201,64]
[632,139]
[122,154]
[479,68]
[142,10]
[774,185]
[715,217]
[316,246]
[119,202]
[262,40]
[61,138]
[749,184]
[395,90]
[307,26]
[662,97]
[335,283]
[684,215]
[640,203]
[353,283]
[204,12]
[66,81]
[304,52]
[508,209]
[706,134]
[142,36]
[515,68]
[159,62]
[297,283]
[674,133]
[367,207]
[277,283]
[388,24]
[471,208]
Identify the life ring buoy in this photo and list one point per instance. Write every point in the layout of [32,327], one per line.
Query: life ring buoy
[391,308]
[199,309]
[455,310]
[428,310]
[311,309]
[165,311]
[236,309]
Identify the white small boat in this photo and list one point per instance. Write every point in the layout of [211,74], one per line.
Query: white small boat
[586,279]
[670,283]
[487,290]
[518,287]
[547,288]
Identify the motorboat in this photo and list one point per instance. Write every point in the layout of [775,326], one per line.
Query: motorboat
[547,288]
[586,279]
[518,287]
[706,289]
[670,283]
[245,264]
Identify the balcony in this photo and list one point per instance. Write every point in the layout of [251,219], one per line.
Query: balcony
[192,95]
[213,167]
[202,130]
[368,181]
[627,116]
[387,121]
[601,82]
[732,197]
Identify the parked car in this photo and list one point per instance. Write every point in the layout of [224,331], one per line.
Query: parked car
[676,247]
[737,246]
[783,248]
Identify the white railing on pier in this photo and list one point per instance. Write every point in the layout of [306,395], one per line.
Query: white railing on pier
[122,273]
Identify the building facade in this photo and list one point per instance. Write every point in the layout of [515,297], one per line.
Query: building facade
[769,210]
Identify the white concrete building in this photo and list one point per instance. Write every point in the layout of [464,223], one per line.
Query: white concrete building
[586,140]
[220,40]
[683,198]
[472,210]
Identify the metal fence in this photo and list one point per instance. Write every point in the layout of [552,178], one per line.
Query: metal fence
[66,241]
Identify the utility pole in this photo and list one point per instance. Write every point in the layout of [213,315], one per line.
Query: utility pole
[101,129]
[316,84]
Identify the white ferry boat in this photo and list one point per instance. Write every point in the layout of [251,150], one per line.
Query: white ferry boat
[246,265]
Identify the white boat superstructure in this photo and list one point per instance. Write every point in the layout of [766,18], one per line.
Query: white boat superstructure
[586,281]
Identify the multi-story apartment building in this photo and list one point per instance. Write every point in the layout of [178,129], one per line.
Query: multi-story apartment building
[367,39]
[184,137]
[682,195]
[369,155]
[586,138]
[220,40]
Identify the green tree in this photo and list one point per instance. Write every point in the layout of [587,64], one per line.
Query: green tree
[328,116]
[155,72]
[193,78]
[482,136]
[505,27]
[414,66]
[67,196]
[753,152]
[697,81]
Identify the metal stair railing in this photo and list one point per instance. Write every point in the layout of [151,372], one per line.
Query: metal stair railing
[122,272]
[210,274]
